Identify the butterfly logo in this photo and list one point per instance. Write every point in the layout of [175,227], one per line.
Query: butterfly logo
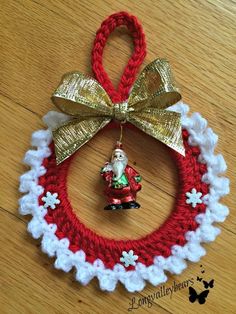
[209,284]
[199,279]
[201,297]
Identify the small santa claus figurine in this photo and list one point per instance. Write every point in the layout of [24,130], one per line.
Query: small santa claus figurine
[123,182]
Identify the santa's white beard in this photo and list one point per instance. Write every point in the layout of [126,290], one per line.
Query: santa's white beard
[118,168]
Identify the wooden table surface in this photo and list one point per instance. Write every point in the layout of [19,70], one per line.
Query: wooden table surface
[40,41]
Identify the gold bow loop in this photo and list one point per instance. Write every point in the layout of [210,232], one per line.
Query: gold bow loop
[91,109]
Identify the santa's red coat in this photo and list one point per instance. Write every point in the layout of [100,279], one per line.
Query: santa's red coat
[125,194]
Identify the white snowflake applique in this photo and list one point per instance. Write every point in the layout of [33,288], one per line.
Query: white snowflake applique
[194,197]
[129,258]
[50,200]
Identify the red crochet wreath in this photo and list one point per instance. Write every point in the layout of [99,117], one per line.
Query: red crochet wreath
[167,247]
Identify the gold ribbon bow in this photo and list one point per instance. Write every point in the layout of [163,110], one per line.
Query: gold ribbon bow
[91,109]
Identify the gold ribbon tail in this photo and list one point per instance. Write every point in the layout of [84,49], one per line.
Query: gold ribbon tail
[70,137]
[163,125]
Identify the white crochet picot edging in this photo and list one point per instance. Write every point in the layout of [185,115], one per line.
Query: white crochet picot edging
[133,280]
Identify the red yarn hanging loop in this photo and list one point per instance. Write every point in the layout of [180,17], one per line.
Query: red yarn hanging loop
[128,76]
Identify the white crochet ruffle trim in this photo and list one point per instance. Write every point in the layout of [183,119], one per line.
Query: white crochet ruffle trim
[134,280]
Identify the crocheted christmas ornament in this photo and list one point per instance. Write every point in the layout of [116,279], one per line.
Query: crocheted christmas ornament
[132,262]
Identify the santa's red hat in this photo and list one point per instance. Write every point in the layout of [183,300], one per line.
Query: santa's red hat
[118,147]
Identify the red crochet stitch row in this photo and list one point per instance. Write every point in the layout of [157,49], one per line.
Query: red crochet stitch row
[159,242]
[128,76]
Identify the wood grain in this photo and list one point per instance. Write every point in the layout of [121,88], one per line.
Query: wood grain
[40,41]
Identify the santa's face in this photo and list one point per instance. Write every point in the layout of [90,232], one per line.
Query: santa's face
[119,161]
